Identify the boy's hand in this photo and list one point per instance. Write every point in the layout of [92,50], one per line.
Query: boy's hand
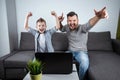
[29,14]
[53,13]
[26,20]
[102,13]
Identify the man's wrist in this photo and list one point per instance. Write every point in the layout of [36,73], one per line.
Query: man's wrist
[98,17]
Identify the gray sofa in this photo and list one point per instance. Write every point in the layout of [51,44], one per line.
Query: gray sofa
[104,54]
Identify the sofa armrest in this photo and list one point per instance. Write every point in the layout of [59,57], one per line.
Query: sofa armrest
[2,71]
[116,45]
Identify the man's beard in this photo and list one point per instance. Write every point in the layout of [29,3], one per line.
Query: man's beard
[73,26]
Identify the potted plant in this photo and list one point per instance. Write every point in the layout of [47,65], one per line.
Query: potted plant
[35,69]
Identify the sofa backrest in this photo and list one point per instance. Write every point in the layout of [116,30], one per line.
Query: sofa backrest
[59,41]
[96,41]
[27,41]
[99,41]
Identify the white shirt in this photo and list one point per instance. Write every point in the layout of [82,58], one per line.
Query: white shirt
[42,43]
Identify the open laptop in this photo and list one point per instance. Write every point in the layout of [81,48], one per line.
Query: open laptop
[56,63]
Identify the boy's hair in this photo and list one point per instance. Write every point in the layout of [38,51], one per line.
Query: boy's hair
[40,20]
[71,14]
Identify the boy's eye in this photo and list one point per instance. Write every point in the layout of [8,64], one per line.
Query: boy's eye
[43,25]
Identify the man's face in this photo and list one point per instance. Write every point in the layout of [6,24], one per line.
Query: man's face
[72,21]
[41,27]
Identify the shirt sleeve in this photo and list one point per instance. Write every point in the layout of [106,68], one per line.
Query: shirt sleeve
[31,30]
[64,28]
[52,30]
[86,27]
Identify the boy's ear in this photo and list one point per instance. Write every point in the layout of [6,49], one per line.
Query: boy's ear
[46,25]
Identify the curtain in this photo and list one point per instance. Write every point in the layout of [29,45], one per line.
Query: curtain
[118,28]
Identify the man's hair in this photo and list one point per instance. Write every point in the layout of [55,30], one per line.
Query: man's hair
[41,20]
[71,14]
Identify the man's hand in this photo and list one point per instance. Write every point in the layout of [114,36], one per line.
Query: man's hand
[98,15]
[29,14]
[102,13]
[61,18]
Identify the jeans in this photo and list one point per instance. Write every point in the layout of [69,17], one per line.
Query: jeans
[82,58]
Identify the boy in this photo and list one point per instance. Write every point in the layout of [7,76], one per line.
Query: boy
[42,36]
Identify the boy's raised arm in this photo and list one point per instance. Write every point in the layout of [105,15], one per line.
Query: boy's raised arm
[57,21]
[26,20]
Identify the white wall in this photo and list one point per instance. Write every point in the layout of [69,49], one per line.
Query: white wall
[4,38]
[84,8]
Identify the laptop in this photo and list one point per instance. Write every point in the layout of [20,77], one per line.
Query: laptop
[56,63]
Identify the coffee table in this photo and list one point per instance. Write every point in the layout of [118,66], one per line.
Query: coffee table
[71,76]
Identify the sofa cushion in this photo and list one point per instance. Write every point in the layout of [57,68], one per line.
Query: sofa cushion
[99,41]
[19,59]
[15,73]
[104,65]
[27,41]
[60,41]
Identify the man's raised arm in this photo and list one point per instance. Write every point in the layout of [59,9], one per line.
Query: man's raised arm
[98,15]
[61,18]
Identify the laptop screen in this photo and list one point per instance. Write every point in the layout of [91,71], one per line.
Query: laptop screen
[56,63]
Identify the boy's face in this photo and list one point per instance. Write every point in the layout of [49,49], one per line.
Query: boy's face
[41,27]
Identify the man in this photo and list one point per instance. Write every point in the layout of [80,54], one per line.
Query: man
[77,36]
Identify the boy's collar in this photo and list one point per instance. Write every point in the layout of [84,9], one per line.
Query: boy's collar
[41,33]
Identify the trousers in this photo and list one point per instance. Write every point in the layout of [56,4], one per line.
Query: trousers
[82,58]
